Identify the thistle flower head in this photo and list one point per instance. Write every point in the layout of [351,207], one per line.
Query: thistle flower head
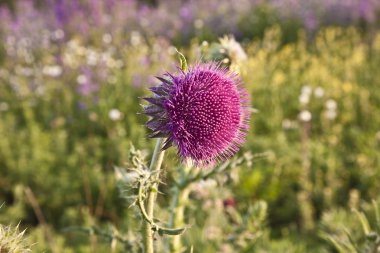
[12,240]
[203,111]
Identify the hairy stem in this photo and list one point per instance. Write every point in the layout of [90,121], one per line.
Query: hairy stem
[155,165]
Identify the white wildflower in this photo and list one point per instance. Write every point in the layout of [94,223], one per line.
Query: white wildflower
[305,116]
[91,57]
[135,38]
[225,61]
[52,70]
[319,92]
[107,38]
[288,124]
[115,114]
[81,79]
[304,99]
[235,50]
[331,104]
[58,34]
[306,89]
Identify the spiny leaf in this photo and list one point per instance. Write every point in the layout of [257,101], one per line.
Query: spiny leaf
[158,134]
[168,144]
[154,100]
[159,90]
[153,123]
[164,80]
[152,110]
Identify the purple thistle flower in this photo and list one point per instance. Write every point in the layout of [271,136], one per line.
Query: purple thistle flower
[203,111]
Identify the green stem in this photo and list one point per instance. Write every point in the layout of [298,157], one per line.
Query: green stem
[180,199]
[155,165]
[155,227]
[179,202]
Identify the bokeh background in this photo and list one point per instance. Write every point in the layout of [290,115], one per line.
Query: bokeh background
[72,72]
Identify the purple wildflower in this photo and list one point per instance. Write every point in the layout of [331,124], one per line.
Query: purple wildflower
[203,111]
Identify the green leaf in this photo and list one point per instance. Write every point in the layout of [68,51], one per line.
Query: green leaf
[353,246]
[183,61]
[337,245]
[363,221]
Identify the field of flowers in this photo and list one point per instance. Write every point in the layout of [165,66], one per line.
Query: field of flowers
[72,75]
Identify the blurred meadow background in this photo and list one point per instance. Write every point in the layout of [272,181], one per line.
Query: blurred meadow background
[72,72]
